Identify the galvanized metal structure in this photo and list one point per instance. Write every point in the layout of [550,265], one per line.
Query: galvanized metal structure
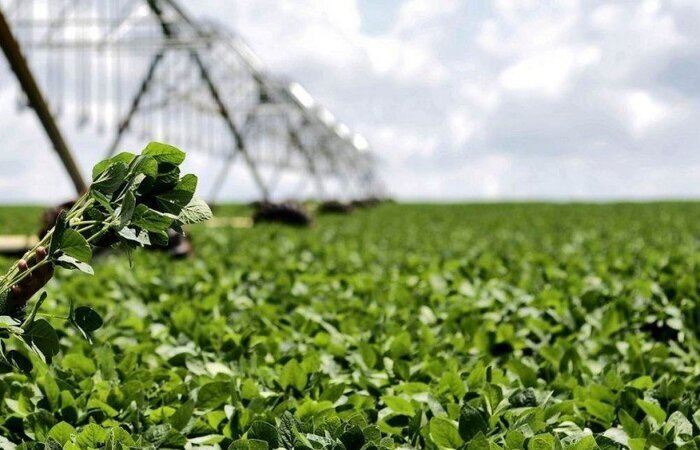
[195,84]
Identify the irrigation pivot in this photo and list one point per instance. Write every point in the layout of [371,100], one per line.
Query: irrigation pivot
[148,70]
[35,98]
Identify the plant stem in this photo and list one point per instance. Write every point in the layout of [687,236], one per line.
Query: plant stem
[13,275]
[35,310]
[52,316]
[26,257]
[100,233]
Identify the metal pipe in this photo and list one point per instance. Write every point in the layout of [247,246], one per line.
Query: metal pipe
[135,103]
[213,90]
[19,66]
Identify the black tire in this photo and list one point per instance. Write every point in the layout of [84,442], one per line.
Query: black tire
[287,213]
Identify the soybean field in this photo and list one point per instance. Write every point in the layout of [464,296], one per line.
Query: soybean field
[465,326]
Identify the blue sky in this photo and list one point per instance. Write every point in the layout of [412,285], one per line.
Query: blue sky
[501,99]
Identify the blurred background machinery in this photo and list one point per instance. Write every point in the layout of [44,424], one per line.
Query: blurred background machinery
[147,70]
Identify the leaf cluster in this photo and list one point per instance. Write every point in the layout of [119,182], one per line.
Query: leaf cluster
[133,201]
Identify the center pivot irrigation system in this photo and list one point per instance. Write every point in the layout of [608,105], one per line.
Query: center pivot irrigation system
[146,69]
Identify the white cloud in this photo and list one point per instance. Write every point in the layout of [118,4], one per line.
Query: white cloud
[645,111]
[410,146]
[418,14]
[516,99]
[607,17]
[549,72]
[463,127]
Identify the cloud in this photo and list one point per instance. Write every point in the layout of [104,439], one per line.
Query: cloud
[645,111]
[547,73]
[502,99]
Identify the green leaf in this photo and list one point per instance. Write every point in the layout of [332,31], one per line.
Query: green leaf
[97,404]
[68,262]
[79,364]
[119,438]
[175,200]
[585,442]
[7,322]
[73,244]
[159,239]
[515,439]
[151,220]
[102,201]
[166,180]
[292,374]
[643,383]
[287,430]
[124,158]
[652,410]
[6,444]
[479,442]
[126,211]
[214,394]
[19,361]
[542,442]
[249,444]
[638,444]
[141,238]
[164,153]
[42,338]
[182,415]
[143,165]
[679,426]
[264,431]
[196,211]
[399,405]
[617,435]
[600,410]
[471,422]
[527,375]
[111,179]
[444,433]
[631,427]
[352,438]
[59,230]
[91,436]
[87,319]
[62,432]
[6,306]
[50,389]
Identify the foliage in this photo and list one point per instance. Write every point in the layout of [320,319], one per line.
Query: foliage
[20,219]
[465,326]
[133,201]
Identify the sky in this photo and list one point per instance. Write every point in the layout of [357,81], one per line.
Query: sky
[467,99]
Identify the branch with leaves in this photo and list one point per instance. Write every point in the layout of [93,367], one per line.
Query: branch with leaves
[133,201]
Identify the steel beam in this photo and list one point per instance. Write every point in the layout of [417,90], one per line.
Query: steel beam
[213,90]
[136,102]
[24,75]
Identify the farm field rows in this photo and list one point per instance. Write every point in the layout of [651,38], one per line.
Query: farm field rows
[505,326]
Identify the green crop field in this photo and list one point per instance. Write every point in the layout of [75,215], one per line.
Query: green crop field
[511,326]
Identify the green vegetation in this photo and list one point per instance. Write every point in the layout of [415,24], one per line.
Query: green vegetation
[413,326]
[133,201]
[20,219]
